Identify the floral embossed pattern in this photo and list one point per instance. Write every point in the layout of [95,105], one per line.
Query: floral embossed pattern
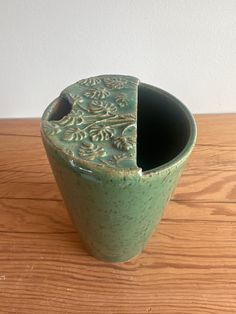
[101,125]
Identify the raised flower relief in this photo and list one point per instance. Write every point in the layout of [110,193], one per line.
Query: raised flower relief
[102,107]
[75,117]
[99,93]
[101,132]
[90,151]
[122,100]
[73,134]
[115,82]
[124,142]
[90,81]
[51,127]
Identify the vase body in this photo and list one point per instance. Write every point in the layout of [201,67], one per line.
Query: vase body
[116,205]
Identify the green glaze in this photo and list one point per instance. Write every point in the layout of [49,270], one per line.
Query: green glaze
[101,125]
[92,149]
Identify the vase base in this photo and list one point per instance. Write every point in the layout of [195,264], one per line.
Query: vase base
[112,260]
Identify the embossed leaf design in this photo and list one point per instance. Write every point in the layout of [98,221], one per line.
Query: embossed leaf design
[75,117]
[128,116]
[101,106]
[99,93]
[78,100]
[122,100]
[101,126]
[51,128]
[74,98]
[115,82]
[73,134]
[69,152]
[118,157]
[90,151]
[124,142]
[90,81]
[101,132]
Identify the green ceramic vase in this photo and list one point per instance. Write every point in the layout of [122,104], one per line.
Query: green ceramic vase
[117,148]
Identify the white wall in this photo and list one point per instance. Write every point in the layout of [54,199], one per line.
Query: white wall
[187,47]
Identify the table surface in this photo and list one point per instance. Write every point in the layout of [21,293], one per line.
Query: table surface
[188,266]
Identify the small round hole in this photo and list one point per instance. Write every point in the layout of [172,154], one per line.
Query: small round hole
[61,109]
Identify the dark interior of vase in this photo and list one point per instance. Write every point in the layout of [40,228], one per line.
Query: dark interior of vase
[163,128]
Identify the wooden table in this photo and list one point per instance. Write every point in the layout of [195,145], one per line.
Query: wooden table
[189,265]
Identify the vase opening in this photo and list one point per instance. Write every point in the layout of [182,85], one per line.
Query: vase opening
[163,127]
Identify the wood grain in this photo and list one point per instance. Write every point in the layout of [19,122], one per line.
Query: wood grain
[189,265]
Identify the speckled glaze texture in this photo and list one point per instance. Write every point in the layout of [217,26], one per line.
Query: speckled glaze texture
[114,207]
[100,128]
